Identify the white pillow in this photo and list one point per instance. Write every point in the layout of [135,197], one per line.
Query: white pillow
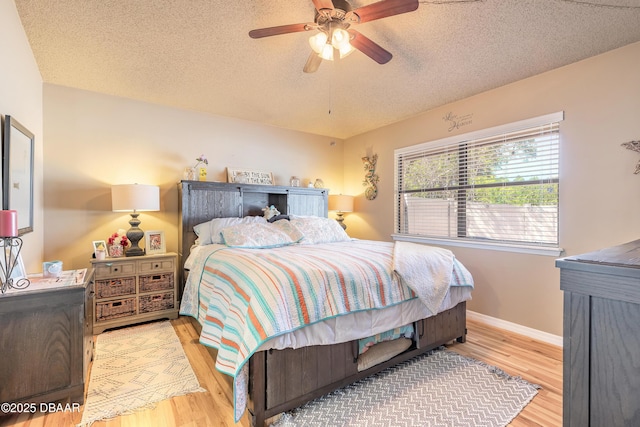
[319,230]
[260,236]
[209,232]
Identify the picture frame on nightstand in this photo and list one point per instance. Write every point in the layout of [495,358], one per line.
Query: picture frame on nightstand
[99,243]
[154,242]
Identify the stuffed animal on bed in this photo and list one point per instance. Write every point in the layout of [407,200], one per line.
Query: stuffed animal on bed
[270,212]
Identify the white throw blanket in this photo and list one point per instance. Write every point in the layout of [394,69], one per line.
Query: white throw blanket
[426,270]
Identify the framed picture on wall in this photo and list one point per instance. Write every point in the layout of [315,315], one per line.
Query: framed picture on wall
[154,242]
[17,172]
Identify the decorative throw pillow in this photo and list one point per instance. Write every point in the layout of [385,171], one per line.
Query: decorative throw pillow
[209,232]
[319,230]
[260,236]
[289,229]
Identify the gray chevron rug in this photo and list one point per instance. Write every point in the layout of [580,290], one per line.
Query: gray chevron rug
[438,389]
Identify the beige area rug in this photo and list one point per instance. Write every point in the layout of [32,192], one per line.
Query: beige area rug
[134,368]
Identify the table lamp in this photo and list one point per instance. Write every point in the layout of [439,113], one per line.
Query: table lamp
[135,198]
[341,204]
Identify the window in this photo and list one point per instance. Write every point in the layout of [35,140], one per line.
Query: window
[496,186]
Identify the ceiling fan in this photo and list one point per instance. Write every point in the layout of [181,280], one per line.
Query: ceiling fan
[335,38]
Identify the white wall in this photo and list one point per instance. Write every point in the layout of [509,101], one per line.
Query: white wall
[94,141]
[21,98]
[600,195]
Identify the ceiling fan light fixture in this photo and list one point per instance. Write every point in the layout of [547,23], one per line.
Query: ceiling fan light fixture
[339,41]
[346,50]
[340,38]
[318,41]
[327,52]
[333,19]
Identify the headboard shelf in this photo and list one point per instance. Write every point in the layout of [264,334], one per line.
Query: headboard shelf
[200,201]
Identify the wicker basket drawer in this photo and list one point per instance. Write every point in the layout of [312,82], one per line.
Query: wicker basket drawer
[156,282]
[114,309]
[156,302]
[115,287]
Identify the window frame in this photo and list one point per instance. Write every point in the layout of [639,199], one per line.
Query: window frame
[457,141]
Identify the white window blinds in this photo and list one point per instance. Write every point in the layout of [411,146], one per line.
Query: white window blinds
[497,185]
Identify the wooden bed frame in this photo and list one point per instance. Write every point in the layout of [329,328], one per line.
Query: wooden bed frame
[281,380]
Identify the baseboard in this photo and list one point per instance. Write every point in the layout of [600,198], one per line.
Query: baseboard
[514,327]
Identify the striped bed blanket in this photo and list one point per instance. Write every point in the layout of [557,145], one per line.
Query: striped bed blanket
[244,297]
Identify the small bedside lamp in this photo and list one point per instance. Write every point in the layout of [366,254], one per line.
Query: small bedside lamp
[341,204]
[135,198]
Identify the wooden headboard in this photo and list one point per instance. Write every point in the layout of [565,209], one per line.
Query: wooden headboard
[201,201]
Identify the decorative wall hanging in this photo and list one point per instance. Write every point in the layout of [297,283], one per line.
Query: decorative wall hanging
[635,146]
[241,176]
[370,178]
[456,121]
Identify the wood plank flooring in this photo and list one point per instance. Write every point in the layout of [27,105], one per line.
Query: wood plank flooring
[537,362]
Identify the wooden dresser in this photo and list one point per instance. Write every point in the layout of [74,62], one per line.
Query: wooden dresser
[131,290]
[46,342]
[601,384]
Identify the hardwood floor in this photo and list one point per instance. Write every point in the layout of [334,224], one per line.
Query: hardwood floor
[537,362]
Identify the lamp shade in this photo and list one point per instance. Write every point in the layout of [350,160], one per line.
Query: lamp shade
[135,197]
[341,203]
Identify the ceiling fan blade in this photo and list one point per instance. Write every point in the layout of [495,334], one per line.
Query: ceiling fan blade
[384,8]
[313,62]
[323,4]
[282,29]
[369,48]
[324,7]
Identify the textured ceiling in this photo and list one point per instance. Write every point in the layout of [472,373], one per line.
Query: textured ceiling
[196,54]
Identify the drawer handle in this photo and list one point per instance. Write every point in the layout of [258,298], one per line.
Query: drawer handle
[157,266]
[117,304]
[156,298]
[156,277]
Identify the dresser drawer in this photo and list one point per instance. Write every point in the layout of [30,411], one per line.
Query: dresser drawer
[156,302]
[156,282]
[115,309]
[115,287]
[161,264]
[108,269]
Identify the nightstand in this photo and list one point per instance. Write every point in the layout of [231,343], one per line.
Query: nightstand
[131,290]
[46,339]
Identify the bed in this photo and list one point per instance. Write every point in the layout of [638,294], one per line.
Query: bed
[293,309]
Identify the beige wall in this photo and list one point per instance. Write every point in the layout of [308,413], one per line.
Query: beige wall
[600,195]
[94,141]
[21,98]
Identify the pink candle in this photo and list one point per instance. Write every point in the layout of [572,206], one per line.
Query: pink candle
[8,223]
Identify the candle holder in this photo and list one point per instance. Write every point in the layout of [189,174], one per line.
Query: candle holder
[10,251]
